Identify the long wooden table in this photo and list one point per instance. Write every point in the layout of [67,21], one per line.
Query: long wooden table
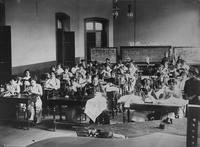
[57,101]
[11,104]
[162,108]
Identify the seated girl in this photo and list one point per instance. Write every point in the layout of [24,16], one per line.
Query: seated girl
[12,88]
[36,90]
[26,79]
[74,69]
[107,72]
[147,96]
[173,96]
[67,75]
[74,87]
[59,70]
[95,83]
[146,91]
[52,83]
[181,80]
[158,90]
[172,91]
[82,71]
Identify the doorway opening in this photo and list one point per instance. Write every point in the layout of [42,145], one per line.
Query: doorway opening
[65,43]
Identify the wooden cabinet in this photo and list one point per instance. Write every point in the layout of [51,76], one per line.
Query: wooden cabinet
[5,54]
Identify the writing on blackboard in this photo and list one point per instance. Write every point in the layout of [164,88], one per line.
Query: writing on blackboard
[100,54]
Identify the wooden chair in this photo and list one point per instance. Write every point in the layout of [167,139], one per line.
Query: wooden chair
[193,116]
[48,93]
[112,103]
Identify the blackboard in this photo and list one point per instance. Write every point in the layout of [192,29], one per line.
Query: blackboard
[140,53]
[190,54]
[100,54]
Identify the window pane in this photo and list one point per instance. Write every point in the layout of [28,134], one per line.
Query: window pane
[59,23]
[89,26]
[98,26]
[98,39]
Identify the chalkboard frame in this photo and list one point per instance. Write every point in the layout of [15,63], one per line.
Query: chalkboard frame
[107,48]
[166,49]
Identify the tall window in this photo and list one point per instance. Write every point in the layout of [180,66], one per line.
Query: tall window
[96,30]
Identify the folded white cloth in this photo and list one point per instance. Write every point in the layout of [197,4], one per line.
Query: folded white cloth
[95,106]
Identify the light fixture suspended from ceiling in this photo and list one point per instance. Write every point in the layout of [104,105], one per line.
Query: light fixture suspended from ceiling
[115,10]
[129,13]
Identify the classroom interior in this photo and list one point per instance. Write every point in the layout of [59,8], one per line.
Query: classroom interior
[37,35]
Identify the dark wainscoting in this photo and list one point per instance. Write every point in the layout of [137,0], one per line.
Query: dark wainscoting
[38,68]
[34,68]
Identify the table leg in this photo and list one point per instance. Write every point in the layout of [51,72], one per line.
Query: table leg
[35,118]
[54,118]
[27,118]
[123,111]
[128,114]
[60,112]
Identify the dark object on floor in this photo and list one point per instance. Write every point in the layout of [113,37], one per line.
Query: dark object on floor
[162,126]
[100,133]
[92,132]
[168,121]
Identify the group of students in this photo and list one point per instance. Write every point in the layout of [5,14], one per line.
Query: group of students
[169,80]
[29,86]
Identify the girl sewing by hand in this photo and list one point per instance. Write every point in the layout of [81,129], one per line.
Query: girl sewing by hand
[146,91]
[12,88]
[172,91]
[35,90]
[158,91]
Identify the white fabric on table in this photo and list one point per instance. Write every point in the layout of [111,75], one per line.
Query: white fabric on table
[109,88]
[95,106]
[129,99]
[173,101]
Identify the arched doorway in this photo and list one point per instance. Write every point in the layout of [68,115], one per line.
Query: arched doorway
[96,34]
[65,43]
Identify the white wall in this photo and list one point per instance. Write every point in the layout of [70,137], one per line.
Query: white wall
[93,8]
[162,22]
[33,31]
